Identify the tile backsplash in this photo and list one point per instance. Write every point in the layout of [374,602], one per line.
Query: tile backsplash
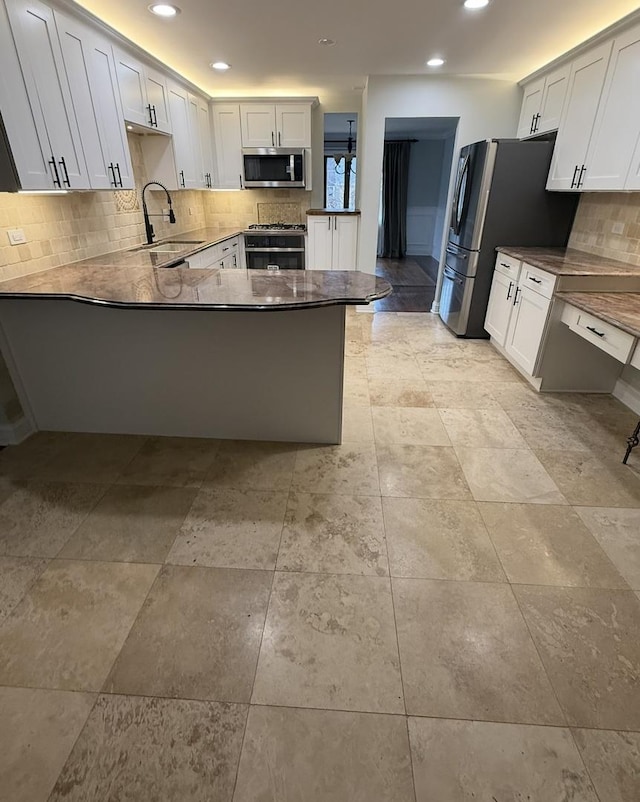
[608,224]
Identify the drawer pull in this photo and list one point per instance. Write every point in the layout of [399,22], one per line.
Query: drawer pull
[504,264]
[535,280]
[595,331]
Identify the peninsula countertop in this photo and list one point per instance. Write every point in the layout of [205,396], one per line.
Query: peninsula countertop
[620,309]
[570,262]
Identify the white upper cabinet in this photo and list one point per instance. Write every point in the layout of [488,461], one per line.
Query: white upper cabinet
[531,104]
[143,92]
[543,102]
[90,69]
[185,145]
[281,125]
[206,143]
[48,90]
[228,144]
[586,81]
[613,143]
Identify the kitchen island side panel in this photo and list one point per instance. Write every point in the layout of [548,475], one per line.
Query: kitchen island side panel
[257,375]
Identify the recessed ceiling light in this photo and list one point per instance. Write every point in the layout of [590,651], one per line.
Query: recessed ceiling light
[327,42]
[435,62]
[476,3]
[164,10]
[220,65]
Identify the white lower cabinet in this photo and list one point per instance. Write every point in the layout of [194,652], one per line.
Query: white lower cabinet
[526,327]
[500,306]
[225,255]
[332,242]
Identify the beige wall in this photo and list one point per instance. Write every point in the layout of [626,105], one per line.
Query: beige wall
[608,224]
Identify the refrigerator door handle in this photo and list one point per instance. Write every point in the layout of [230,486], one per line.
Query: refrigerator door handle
[456,210]
[451,274]
[455,252]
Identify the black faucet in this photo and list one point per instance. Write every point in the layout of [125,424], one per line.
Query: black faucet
[147,223]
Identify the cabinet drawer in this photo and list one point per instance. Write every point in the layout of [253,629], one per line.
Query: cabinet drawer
[537,280]
[608,338]
[508,266]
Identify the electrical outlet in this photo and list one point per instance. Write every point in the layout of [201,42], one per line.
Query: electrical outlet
[16,236]
[617,227]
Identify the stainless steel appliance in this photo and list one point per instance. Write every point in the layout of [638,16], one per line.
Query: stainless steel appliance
[273,167]
[499,199]
[275,246]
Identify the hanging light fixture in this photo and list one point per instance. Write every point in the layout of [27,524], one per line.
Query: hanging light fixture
[349,155]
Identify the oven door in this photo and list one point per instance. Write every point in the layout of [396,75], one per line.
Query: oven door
[273,167]
[271,259]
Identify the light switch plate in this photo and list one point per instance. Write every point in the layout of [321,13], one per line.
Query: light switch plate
[16,236]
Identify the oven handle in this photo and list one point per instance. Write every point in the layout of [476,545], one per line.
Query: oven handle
[273,250]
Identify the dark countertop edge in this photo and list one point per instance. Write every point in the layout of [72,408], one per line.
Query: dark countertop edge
[194,307]
[520,253]
[346,212]
[583,303]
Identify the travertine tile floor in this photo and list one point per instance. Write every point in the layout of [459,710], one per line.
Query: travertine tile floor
[445,607]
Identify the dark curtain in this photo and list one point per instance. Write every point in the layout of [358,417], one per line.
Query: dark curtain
[395,181]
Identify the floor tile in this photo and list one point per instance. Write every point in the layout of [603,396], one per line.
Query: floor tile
[618,532]
[197,636]
[439,540]
[69,628]
[23,461]
[246,465]
[39,517]
[17,574]
[421,472]
[547,429]
[324,755]
[613,761]
[37,734]
[171,462]
[588,481]
[131,524]
[94,458]
[520,395]
[388,349]
[357,425]
[355,367]
[589,641]
[356,391]
[8,486]
[462,395]
[135,749]
[399,393]
[231,529]
[330,642]
[481,428]
[466,653]
[467,367]
[409,425]
[541,544]
[507,474]
[333,534]
[479,760]
[350,469]
[402,367]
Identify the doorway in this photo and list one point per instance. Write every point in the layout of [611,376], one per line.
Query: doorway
[413,209]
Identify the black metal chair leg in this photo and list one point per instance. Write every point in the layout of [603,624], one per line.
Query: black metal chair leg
[632,442]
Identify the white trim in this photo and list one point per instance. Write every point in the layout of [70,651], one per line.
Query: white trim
[11,434]
[629,395]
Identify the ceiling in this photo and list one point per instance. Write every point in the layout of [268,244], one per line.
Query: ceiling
[273,46]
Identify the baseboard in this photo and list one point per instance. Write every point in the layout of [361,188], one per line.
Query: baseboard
[629,396]
[435,308]
[11,434]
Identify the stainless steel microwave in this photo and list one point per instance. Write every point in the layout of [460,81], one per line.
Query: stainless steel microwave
[273,167]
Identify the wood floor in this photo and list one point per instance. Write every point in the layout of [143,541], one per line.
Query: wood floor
[414,283]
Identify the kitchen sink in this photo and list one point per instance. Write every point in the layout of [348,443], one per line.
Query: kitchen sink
[171,246]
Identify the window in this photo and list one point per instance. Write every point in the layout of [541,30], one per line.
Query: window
[339,182]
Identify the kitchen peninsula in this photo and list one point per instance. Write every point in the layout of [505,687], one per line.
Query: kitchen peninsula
[121,344]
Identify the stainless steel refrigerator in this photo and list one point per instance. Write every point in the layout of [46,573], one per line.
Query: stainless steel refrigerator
[499,199]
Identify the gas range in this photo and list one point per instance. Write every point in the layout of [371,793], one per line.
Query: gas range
[280,228]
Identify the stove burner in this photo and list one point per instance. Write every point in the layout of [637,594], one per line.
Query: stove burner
[278,227]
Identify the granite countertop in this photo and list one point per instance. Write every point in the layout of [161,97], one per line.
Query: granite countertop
[620,309]
[333,211]
[570,262]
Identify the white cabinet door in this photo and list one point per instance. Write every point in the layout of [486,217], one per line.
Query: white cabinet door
[39,52]
[583,95]
[500,307]
[206,143]
[183,149]
[133,90]
[158,99]
[228,145]
[553,97]
[30,154]
[293,125]
[345,242]
[258,125]
[617,124]
[633,176]
[319,242]
[526,328]
[531,103]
